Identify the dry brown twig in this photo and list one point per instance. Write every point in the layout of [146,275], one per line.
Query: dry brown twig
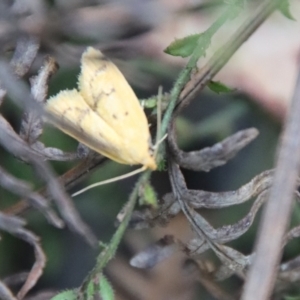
[276,215]
[15,226]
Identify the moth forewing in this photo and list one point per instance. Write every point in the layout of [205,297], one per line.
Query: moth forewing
[88,128]
[107,92]
[105,109]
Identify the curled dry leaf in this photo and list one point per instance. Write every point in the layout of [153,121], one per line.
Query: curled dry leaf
[292,234]
[24,54]
[22,188]
[204,199]
[50,153]
[36,270]
[211,157]
[15,226]
[289,271]
[31,126]
[191,216]
[207,236]
[241,261]
[225,233]
[196,246]
[169,208]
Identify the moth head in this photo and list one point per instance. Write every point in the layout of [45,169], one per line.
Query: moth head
[149,162]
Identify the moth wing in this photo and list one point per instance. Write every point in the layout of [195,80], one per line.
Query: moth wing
[107,92]
[87,127]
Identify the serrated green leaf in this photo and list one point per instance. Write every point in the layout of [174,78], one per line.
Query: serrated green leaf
[149,196]
[66,295]
[150,102]
[162,166]
[90,290]
[219,87]
[184,47]
[106,290]
[236,7]
[284,8]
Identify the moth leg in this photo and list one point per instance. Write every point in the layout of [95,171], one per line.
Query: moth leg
[158,115]
[117,178]
[158,139]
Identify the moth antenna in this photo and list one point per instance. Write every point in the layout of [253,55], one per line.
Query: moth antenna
[110,180]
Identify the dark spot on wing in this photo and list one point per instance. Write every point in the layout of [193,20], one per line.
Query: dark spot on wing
[104,58]
[126,113]
[110,92]
[101,69]
[82,114]
[98,97]
[65,111]
[100,135]
[114,116]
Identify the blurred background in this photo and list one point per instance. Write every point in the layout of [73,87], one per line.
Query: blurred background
[134,33]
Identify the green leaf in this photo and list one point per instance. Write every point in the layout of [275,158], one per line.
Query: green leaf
[162,165]
[149,103]
[66,295]
[90,291]
[284,8]
[149,196]
[184,47]
[106,290]
[219,87]
[99,288]
[235,7]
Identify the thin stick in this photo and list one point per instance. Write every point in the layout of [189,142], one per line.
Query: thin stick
[276,215]
[158,116]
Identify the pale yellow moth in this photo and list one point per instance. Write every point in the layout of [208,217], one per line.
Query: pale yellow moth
[105,113]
